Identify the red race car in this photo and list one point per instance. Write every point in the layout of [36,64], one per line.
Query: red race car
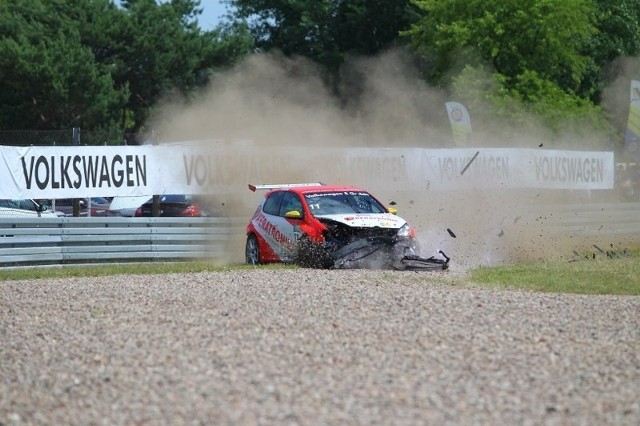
[322,226]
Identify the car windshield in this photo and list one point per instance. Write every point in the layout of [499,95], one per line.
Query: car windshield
[322,203]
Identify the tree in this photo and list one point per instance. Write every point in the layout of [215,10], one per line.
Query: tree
[618,22]
[96,65]
[514,36]
[326,31]
[50,80]
[160,49]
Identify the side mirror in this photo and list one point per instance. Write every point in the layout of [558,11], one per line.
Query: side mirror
[293,214]
[392,208]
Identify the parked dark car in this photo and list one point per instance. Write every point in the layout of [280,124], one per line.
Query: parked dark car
[177,205]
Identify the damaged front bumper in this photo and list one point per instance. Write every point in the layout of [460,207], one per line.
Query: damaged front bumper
[386,253]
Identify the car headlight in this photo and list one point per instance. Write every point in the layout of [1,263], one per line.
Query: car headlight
[406,231]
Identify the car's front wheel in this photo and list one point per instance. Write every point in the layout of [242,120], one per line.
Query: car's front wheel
[252,250]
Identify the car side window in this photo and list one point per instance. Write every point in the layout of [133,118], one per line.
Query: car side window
[27,205]
[272,204]
[290,202]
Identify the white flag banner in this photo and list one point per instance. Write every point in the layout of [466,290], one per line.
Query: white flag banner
[632,134]
[635,91]
[460,121]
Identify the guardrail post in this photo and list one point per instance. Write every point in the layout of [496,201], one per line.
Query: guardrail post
[155,207]
[75,136]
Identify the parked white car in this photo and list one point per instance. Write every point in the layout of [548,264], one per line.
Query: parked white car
[24,208]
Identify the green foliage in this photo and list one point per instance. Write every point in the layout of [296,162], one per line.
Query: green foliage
[160,49]
[94,65]
[532,53]
[491,98]
[105,65]
[559,109]
[618,22]
[514,36]
[49,78]
[103,270]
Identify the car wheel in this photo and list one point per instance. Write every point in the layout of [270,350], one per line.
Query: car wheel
[252,250]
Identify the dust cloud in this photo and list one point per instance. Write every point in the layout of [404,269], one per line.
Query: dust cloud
[283,109]
[275,101]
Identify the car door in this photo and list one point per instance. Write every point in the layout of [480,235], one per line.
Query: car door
[291,210]
[277,231]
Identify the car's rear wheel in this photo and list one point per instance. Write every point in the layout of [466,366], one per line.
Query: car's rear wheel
[252,250]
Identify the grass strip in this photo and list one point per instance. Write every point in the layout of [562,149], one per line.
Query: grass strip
[88,270]
[606,276]
[613,276]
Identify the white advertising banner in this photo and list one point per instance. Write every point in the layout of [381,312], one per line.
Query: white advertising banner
[491,168]
[86,171]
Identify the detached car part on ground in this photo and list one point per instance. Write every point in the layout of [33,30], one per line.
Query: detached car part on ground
[342,227]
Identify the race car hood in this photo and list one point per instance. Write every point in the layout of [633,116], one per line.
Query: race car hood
[366,220]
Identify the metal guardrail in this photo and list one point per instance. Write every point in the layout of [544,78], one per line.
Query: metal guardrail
[72,240]
[69,240]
